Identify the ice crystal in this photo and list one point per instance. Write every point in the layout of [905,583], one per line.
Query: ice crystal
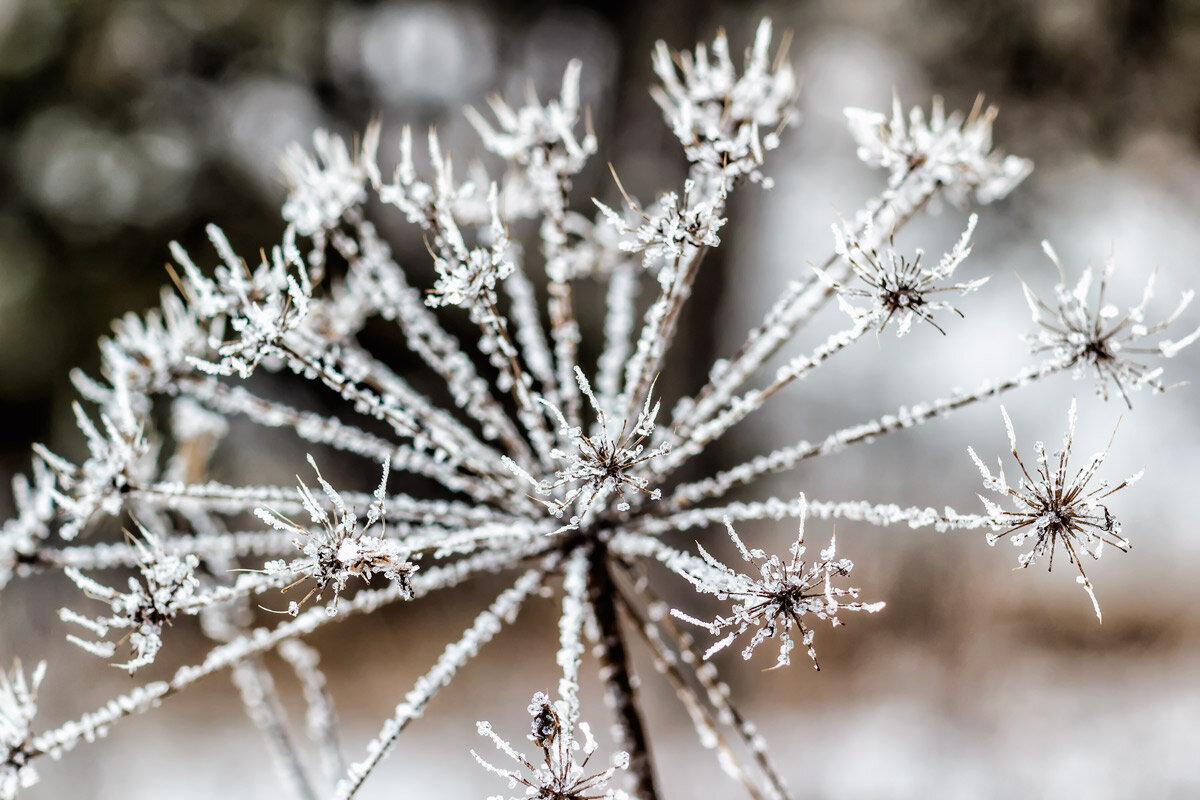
[778,598]
[1054,507]
[517,453]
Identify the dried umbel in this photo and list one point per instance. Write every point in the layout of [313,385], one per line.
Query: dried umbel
[18,705]
[569,477]
[339,549]
[1101,337]
[778,599]
[1054,507]
[167,588]
[562,774]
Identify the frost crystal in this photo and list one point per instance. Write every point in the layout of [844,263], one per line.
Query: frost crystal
[560,776]
[1100,336]
[1054,507]
[778,598]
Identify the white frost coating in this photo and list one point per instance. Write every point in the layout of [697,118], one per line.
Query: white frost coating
[670,229]
[320,717]
[483,411]
[603,463]
[96,724]
[261,308]
[1054,507]
[899,288]
[742,406]
[570,632]
[540,138]
[324,186]
[726,120]
[905,417]
[168,588]
[121,457]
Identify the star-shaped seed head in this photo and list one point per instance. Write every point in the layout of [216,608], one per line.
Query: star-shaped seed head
[1054,507]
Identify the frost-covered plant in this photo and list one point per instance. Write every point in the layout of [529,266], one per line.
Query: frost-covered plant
[540,464]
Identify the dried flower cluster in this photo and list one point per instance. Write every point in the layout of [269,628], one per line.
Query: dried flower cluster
[558,471]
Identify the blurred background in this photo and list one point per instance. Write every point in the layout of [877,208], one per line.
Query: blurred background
[125,124]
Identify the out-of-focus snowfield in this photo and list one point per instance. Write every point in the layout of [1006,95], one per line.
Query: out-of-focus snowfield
[978,681]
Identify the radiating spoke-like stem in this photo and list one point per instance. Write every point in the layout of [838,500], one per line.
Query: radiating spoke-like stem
[616,675]
[788,457]
[502,611]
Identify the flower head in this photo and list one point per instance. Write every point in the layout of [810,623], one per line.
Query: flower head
[603,463]
[1054,507]
[323,186]
[18,706]
[778,598]
[339,549]
[946,150]
[719,115]
[121,457]
[560,776]
[540,137]
[669,228]
[168,588]
[1101,337]
[900,286]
